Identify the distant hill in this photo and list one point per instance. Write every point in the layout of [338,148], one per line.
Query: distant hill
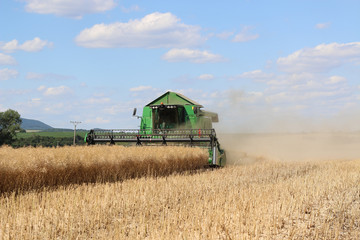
[30,124]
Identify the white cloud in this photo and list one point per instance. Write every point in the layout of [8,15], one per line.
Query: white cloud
[321,58]
[322,25]
[155,30]
[32,75]
[141,88]
[97,120]
[7,60]
[206,77]
[46,76]
[225,35]
[294,80]
[302,97]
[256,75]
[245,35]
[336,79]
[55,91]
[283,111]
[35,100]
[6,74]
[191,55]
[57,108]
[120,108]
[69,8]
[34,45]
[305,85]
[320,94]
[97,100]
[41,88]
[133,8]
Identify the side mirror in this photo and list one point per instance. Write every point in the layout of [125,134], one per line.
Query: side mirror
[195,110]
[134,114]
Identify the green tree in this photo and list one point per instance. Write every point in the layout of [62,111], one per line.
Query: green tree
[10,122]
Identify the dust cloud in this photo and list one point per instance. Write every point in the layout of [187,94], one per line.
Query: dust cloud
[252,128]
[249,148]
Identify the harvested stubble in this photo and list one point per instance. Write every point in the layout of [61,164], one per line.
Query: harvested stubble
[265,200]
[35,168]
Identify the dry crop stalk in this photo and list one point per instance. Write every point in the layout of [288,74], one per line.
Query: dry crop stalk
[35,168]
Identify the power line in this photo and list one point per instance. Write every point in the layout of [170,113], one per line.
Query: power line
[75,124]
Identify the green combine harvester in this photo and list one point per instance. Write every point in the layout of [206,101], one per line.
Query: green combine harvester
[171,119]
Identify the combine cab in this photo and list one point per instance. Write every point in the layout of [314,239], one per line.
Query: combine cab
[171,119]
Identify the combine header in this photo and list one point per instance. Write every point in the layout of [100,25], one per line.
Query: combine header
[171,119]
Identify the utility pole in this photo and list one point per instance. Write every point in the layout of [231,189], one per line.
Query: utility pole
[75,123]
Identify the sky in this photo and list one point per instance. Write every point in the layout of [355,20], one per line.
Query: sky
[263,66]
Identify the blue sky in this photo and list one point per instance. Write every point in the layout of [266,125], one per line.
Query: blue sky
[264,66]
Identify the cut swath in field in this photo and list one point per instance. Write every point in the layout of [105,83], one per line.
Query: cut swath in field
[34,168]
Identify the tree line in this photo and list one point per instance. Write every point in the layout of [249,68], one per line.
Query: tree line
[46,141]
[10,124]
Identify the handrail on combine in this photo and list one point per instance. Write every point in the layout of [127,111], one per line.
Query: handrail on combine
[155,135]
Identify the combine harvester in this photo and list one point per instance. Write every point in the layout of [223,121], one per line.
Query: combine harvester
[171,119]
